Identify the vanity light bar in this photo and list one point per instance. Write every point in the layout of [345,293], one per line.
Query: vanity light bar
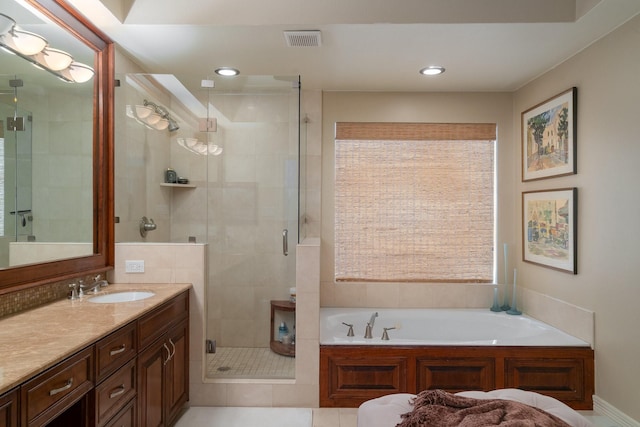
[35,49]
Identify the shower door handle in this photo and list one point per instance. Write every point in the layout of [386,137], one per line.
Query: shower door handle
[285,242]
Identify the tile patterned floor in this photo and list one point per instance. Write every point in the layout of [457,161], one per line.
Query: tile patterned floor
[258,363]
[246,417]
[296,417]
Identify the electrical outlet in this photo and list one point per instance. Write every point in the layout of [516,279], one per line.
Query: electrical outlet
[134,266]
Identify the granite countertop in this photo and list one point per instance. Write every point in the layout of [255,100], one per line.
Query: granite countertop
[34,340]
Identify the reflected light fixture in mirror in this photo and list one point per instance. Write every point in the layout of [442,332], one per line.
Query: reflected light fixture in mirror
[80,73]
[59,17]
[55,59]
[6,23]
[153,116]
[25,42]
[35,49]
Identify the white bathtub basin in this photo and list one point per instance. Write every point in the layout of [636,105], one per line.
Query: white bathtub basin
[477,327]
[125,296]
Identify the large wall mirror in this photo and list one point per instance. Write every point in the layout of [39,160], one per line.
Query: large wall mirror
[56,144]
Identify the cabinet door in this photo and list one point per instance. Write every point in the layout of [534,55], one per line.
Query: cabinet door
[151,367]
[9,409]
[177,371]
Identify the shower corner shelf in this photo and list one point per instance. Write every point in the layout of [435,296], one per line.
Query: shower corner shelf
[277,346]
[166,184]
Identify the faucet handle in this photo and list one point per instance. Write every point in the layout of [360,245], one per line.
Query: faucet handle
[74,291]
[350,331]
[385,335]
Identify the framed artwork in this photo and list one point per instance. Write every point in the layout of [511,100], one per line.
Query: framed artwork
[549,228]
[549,137]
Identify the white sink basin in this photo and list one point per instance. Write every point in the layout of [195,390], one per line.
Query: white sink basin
[125,296]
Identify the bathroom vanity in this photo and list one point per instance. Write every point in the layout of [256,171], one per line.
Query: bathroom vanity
[87,364]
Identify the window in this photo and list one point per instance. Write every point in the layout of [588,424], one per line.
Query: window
[414,202]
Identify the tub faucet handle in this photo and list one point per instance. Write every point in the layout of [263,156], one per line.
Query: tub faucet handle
[367,331]
[385,335]
[350,331]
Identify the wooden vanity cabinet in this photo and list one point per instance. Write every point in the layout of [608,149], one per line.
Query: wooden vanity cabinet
[49,395]
[9,409]
[135,376]
[115,374]
[163,370]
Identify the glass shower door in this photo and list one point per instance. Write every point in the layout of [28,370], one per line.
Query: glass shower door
[252,223]
[16,217]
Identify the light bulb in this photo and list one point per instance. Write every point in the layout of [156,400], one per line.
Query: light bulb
[54,59]
[80,73]
[27,43]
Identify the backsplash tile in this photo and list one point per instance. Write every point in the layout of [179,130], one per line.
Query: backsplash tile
[26,299]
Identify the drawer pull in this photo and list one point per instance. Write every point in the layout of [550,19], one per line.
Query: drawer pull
[117,391]
[174,349]
[168,354]
[117,350]
[67,386]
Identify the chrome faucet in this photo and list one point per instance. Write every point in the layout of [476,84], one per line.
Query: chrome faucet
[350,331]
[373,318]
[93,288]
[73,294]
[385,335]
[367,331]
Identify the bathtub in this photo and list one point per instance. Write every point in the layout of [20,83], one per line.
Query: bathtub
[477,327]
[449,349]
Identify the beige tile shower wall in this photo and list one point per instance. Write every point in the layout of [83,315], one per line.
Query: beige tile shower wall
[311,107]
[58,182]
[21,253]
[171,263]
[304,390]
[141,157]
[185,263]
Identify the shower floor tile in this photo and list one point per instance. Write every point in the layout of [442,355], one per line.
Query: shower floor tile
[241,362]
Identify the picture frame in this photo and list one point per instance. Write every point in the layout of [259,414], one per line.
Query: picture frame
[549,137]
[549,228]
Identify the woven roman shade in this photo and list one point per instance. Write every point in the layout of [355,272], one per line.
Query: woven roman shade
[414,202]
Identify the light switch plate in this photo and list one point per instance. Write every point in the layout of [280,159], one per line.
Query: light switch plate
[134,266]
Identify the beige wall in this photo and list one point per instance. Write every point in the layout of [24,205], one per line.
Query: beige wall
[606,75]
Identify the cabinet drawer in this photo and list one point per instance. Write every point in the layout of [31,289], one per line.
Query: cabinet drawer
[126,417]
[9,409]
[115,392]
[156,323]
[55,390]
[115,350]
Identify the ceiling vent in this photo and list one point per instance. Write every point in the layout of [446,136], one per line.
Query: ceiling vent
[307,38]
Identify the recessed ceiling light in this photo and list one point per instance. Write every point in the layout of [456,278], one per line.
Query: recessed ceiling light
[227,72]
[433,70]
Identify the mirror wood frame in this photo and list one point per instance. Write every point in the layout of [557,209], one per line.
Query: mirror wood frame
[23,277]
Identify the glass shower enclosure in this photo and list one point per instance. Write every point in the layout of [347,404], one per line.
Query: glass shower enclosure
[236,152]
[16,218]
[252,226]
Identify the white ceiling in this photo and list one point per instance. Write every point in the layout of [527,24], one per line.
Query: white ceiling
[367,45]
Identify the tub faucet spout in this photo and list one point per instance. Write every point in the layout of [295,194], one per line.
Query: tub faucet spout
[373,318]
